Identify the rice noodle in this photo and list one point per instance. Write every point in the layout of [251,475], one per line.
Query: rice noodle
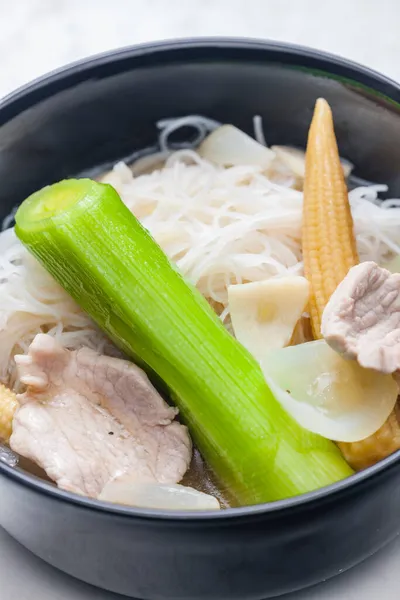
[220,226]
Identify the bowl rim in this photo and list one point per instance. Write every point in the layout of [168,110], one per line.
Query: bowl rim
[331,65]
[356,72]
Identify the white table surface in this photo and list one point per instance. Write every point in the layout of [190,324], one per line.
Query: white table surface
[39,35]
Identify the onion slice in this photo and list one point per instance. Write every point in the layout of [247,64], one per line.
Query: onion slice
[227,146]
[328,395]
[157,495]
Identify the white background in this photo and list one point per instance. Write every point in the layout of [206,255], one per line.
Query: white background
[39,35]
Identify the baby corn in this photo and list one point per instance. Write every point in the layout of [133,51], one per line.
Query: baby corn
[374,448]
[329,247]
[329,251]
[8,405]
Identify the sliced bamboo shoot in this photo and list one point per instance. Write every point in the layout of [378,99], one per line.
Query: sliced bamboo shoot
[264,313]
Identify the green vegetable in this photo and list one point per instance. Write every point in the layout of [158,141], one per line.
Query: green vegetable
[96,249]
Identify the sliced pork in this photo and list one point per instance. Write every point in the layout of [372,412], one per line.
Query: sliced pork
[362,319]
[87,419]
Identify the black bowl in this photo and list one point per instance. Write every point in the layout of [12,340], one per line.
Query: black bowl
[97,111]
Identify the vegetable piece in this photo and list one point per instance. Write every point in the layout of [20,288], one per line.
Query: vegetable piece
[329,246]
[8,406]
[328,395]
[264,313]
[157,495]
[228,146]
[376,447]
[97,250]
[295,160]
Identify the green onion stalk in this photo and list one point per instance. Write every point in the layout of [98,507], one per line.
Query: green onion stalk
[89,241]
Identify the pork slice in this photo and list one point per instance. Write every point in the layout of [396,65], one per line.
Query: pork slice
[362,318]
[87,419]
